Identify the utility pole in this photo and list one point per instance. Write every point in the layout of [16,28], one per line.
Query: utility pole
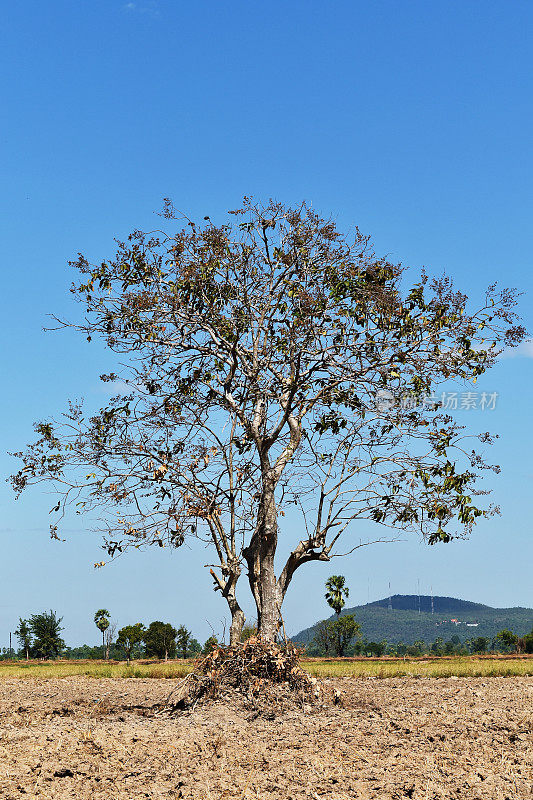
[390,599]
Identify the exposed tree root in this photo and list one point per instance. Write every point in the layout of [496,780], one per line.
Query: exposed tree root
[268,677]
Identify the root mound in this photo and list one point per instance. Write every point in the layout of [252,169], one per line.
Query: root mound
[264,674]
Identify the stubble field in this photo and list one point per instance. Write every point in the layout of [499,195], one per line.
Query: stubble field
[421,738]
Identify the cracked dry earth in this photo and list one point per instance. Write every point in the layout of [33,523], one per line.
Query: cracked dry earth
[425,739]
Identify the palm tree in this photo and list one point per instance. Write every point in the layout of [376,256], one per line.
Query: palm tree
[101,620]
[336,591]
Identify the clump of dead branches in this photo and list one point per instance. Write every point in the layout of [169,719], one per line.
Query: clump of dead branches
[262,673]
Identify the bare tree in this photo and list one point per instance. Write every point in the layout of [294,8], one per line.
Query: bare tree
[109,635]
[272,363]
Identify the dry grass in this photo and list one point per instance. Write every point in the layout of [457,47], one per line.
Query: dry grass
[445,668]
[95,669]
[325,668]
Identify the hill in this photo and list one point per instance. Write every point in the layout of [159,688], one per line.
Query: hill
[412,617]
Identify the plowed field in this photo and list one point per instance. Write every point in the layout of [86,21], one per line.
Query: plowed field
[426,739]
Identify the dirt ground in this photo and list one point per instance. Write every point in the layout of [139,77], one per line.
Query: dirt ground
[425,739]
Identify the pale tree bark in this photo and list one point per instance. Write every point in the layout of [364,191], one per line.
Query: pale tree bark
[260,556]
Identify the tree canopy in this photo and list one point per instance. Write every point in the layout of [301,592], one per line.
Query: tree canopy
[257,356]
[183,641]
[102,621]
[336,592]
[160,640]
[130,637]
[23,634]
[45,629]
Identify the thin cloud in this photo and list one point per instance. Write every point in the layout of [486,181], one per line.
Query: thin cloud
[143,7]
[524,350]
[112,388]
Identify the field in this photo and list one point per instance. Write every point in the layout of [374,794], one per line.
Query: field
[83,738]
[472,666]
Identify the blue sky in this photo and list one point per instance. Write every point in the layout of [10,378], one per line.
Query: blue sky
[411,120]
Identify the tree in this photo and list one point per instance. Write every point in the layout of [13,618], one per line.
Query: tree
[45,629]
[336,591]
[101,620]
[375,648]
[130,637]
[210,645]
[339,633]
[183,640]
[160,640]
[109,637]
[437,648]
[342,631]
[273,363]
[420,647]
[322,639]
[195,648]
[508,639]
[525,643]
[479,645]
[23,634]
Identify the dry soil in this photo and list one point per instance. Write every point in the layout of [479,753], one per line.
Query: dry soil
[425,739]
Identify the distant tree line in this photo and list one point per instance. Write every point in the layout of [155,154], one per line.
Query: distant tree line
[504,642]
[39,637]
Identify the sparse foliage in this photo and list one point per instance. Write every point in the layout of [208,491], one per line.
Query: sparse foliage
[322,639]
[342,631]
[258,355]
[23,634]
[109,637]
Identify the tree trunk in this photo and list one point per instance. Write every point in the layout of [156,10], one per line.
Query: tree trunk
[228,589]
[260,559]
[237,624]
[268,610]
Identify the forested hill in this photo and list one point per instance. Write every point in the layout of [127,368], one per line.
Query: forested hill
[410,618]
